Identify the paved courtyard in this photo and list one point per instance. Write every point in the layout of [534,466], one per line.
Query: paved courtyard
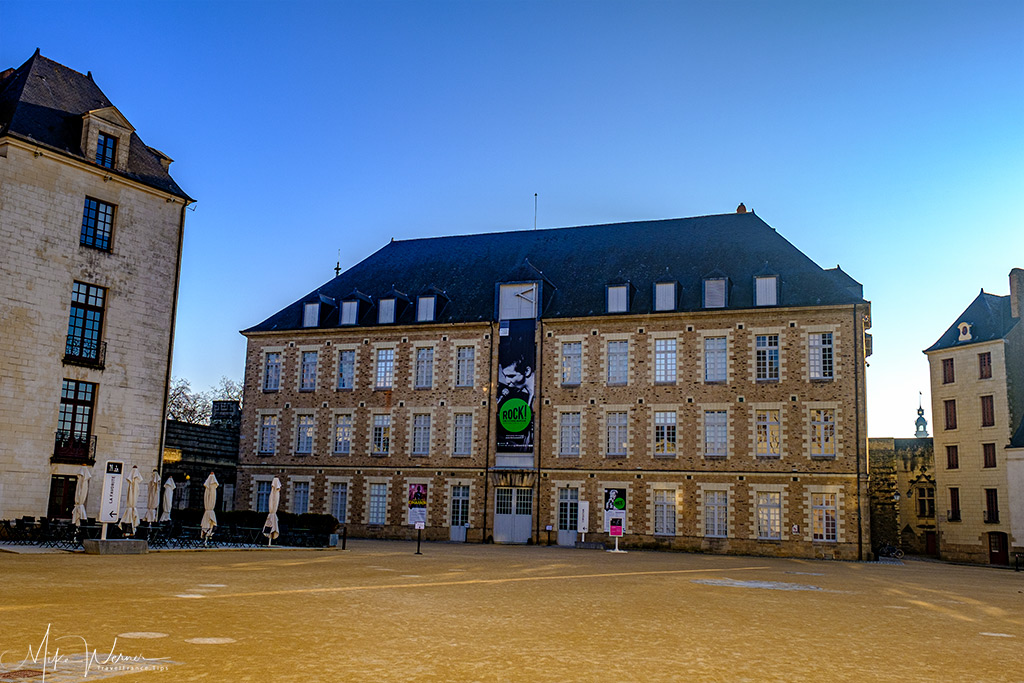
[378,612]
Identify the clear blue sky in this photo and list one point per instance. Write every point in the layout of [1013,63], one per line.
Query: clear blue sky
[887,137]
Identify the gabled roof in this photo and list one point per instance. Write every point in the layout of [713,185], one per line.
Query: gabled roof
[989,318]
[574,266]
[43,102]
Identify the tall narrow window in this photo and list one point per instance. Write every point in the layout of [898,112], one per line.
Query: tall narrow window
[952,457]
[424,368]
[86,323]
[339,501]
[716,514]
[346,369]
[949,408]
[268,433]
[304,444]
[716,433]
[988,454]
[378,508]
[425,309]
[715,359]
[465,357]
[569,434]
[767,357]
[991,506]
[665,361]
[97,224]
[664,512]
[984,365]
[381,434]
[988,412]
[766,291]
[460,506]
[421,434]
[74,422]
[948,374]
[307,380]
[925,501]
[617,434]
[954,505]
[386,311]
[823,516]
[272,372]
[618,362]
[769,515]
[300,502]
[768,433]
[568,509]
[715,292]
[618,299]
[664,433]
[343,434]
[385,368]
[821,355]
[311,315]
[823,433]
[106,150]
[262,496]
[665,296]
[572,363]
[463,434]
[349,312]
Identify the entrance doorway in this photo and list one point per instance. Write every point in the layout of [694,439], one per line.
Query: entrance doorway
[998,548]
[62,496]
[513,514]
[931,545]
[568,515]
[460,513]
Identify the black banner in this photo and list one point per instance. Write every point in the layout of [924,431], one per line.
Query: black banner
[517,360]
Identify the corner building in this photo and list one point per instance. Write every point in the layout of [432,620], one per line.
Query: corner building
[702,373]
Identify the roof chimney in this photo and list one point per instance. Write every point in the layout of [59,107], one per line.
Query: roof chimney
[1017,292]
[741,208]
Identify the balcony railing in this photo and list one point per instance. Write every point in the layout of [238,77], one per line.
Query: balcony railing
[991,516]
[85,351]
[74,449]
[952,515]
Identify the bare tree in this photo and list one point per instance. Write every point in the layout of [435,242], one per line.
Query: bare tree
[186,405]
[227,390]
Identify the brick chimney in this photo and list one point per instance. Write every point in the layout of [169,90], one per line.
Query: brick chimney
[1017,292]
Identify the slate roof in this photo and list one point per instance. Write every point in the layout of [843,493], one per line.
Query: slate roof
[202,441]
[989,317]
[1018,437]
[43,102]
[574,266]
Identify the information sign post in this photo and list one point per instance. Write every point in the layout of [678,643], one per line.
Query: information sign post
[110,504]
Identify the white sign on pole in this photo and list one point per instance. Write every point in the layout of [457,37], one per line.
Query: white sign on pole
[110,504]
[583,517]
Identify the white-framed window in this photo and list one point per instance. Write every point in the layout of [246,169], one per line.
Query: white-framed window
[425,309]
[821,359]
[716,433]
[769,515]
[664,433]
[424,368]
[311,315]
[715,292]
[766,290]
[572,362]
[664,361]
[343,434]
[386,311]
[385,368]
[463,441]
[272,371]
[767,357]
[568,509]
[349,312]
[381,434]
[618,299]
[665,296]
[378,508]
[715,363]
[262,496]
[823,516]
[517,301]
[300,497]
[307,371]
[465,366]
[339,501]
[304,441]
[664,512]
[347,369]
[769,433]
[618,362]
[268,433]
[618,436]
[716,514]
[460,505]
[569,434]
[823,433]
[421,434]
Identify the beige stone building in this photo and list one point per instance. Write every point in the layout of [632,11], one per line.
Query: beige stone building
[977,382]
[698,383]
[92,227]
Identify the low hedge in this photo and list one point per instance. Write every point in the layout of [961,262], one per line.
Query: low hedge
[316,523]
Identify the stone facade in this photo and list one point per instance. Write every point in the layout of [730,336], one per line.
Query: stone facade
[903,494]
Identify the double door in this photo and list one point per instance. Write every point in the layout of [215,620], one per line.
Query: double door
[513,514]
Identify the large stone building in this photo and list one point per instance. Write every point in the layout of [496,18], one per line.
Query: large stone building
[92,228]
[701,377]
[977,381]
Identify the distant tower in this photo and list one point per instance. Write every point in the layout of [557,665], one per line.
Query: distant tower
[922,424]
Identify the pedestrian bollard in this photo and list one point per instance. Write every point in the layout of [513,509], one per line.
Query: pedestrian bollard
[419,534]
[344,536]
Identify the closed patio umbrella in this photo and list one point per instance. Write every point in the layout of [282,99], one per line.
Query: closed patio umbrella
[81,493]
[131,515]
[272,504]
[165,516]
[209,503]
[153,498]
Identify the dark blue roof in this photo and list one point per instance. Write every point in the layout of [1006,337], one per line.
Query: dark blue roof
[574,266]
[989,317]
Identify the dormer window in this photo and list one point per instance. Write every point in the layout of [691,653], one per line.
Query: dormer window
[965,331]
[349,312]
[715,292]
[665,296]
[766,290]
[618,298]
[517,301]
[106,150]
[425,309]
[386,312]
[311,314]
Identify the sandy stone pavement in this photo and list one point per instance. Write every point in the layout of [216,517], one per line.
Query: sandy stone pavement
[458,612]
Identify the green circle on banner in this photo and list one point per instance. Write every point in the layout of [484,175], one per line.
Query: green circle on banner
[620,504]
[515,415]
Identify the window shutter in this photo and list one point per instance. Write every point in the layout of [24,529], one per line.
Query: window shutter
[714,293]
[311,315]
[665,296]
[766,291]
